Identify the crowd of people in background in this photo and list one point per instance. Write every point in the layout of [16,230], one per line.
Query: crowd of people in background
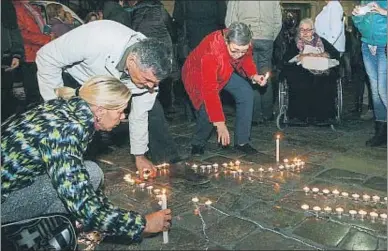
[194,57]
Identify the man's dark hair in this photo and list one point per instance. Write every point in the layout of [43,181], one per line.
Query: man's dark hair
[155,55]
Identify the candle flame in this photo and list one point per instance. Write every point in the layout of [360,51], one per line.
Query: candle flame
[164,191]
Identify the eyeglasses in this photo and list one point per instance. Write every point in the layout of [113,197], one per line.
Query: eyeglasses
[305,30]
[236,52]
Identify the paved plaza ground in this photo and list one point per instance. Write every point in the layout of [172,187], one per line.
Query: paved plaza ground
[262,210]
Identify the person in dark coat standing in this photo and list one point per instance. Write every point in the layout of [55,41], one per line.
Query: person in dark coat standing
[12,51]
[113,10]
[151,19]
[201,17]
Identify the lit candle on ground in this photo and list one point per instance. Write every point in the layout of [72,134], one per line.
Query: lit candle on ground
[164,206]
[194,166]
[305,207]
[251,170]
[142,185]
[344,194]
[362,213]
[376,198]
[317,209]
[293,167]
[240,172]
[237,163]
[339,211]
[335,192]
[326,191]
[355,196]
[352,213]
[195,200]
[149,189]
[208,203]
[315,190]
[233,173]
[209,166]
[385,199]
[306,190]
[156,191]
[366,197]
[277,147]
[225,164]
[302,163]
[215,165]
[203,168]
[261,169]
[373,216]
[270,169]
[285,161]
[327,210]
[231,163]
[281,167]
[383,217]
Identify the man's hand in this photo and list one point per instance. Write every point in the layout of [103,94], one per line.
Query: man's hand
[144,165]
[260,79]
[223,133]
[158,221]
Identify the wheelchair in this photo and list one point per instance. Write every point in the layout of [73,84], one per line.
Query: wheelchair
[282,120]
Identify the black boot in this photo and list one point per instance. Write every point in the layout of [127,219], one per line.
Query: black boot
[380,137]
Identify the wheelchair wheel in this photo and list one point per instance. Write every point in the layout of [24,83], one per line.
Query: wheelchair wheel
[339,101]
[281,119]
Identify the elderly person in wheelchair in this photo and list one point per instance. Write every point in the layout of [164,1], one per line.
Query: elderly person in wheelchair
[311,76]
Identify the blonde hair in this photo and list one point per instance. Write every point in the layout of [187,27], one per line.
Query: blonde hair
[105,91]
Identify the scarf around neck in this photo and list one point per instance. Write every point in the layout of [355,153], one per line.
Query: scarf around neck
[315,42]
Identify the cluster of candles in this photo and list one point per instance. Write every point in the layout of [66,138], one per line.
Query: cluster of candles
[234,167]
[195,200]
[354,196]
[353,213]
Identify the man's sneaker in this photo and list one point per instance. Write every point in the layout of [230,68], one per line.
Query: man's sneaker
[197,150]
[247,148]
[184,174]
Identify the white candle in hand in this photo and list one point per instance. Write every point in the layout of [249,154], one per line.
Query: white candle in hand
[277,147]
[164,206]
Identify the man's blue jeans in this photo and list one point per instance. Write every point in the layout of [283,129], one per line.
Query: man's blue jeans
[262,55]
[376,68]
[242,93]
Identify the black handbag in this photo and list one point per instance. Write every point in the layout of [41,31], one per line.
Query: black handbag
[183,48]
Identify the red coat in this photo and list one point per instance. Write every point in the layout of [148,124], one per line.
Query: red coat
[33,38]
[208,69]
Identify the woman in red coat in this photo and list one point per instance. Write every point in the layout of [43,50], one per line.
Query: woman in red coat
[223,60]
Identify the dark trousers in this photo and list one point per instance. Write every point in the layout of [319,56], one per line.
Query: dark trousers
[30,83]
[310,96]
[165,93]
[162,147]
[262,55]
[242,93]
[8,100]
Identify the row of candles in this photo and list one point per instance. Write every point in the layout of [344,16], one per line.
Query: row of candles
[339,210]
[235,165]
[336,193]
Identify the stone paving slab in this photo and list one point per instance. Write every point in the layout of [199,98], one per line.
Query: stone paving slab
[343,176]
[377,183]
[356,240]
[323,232]
[265,240]
[230,230]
